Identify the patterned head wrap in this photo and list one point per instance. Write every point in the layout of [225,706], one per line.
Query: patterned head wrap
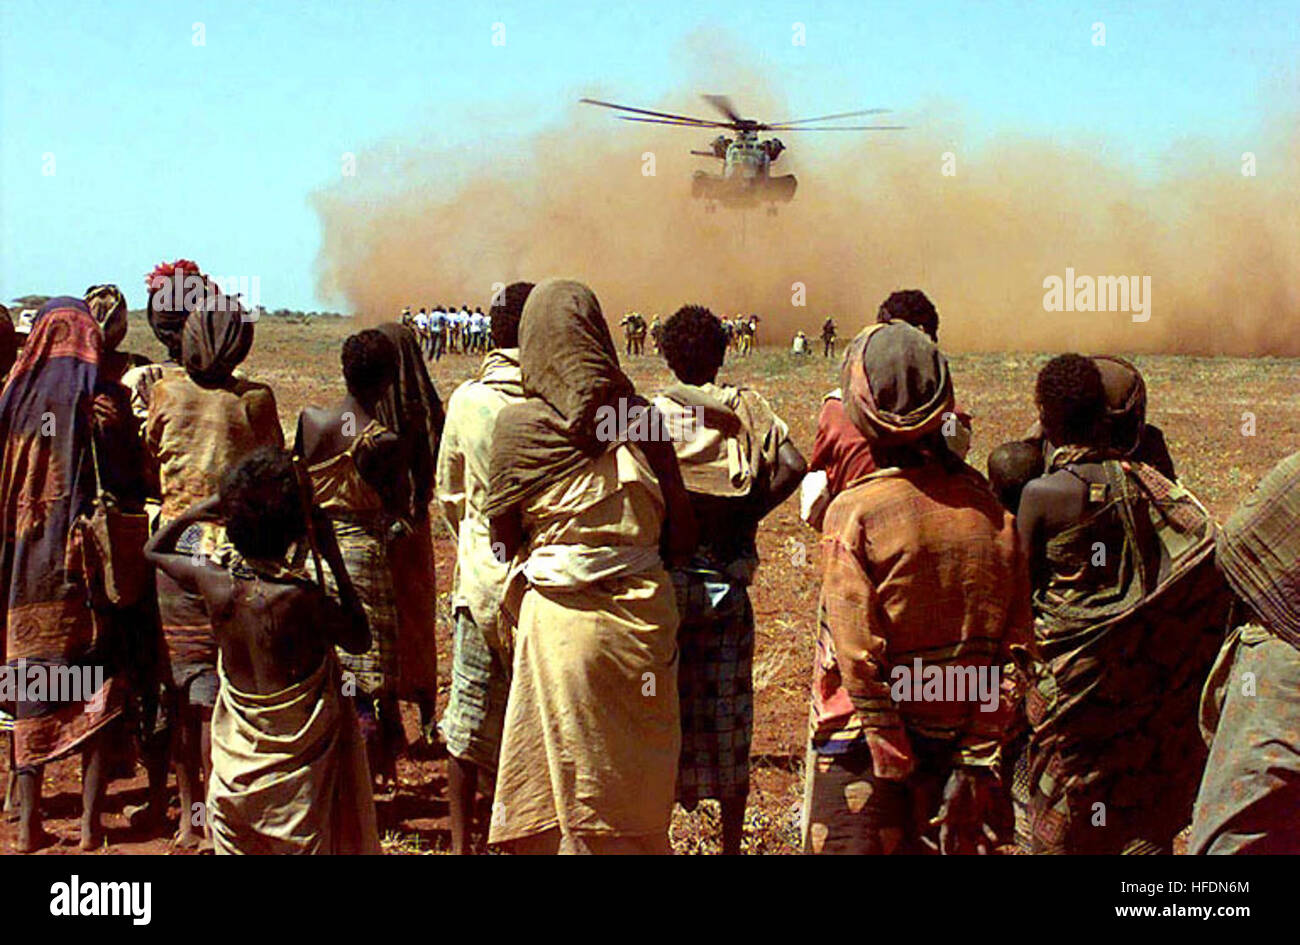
[108,305]
[216,339]
[1126,401]
[895,384]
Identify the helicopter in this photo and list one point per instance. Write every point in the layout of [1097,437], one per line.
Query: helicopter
[746,180]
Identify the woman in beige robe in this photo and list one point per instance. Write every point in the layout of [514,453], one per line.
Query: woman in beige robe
[588,507]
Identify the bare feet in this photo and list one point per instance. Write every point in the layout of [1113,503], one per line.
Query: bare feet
[146,817]
[92,838]
[187,838]
[32,839]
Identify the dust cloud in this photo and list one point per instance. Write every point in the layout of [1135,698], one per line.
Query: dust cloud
[420,225]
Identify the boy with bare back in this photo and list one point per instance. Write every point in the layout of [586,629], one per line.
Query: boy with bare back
[289,772]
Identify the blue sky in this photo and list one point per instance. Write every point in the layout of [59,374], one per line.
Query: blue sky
[164,148]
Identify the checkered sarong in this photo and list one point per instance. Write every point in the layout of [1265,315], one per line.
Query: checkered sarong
[475,717]
[362,549]
[716,687]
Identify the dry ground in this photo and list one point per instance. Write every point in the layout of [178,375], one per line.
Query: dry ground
[1206,407]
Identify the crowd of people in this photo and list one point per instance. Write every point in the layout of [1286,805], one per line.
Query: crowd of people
[1044,657]
[448,330]
[739,331]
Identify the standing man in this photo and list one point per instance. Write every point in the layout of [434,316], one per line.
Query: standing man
[462,330]
[422,329]
[828,337]
[925,597]
[472,725]
[745,331]
[738,463]
[437,333]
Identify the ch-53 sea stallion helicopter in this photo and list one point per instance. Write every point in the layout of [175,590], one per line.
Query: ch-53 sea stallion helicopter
[746,179]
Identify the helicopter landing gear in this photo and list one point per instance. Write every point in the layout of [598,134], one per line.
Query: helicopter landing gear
[771,210]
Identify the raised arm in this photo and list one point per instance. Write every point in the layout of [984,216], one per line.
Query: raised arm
[353,631]
[189,571]
[680,534]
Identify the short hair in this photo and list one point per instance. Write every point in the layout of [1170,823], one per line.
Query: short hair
[505,311]
[1071,400]
[262,505]
[694,344]
[1011,467]
[914,307]
[369,361]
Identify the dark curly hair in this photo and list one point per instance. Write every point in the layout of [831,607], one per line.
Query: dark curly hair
[506,308]
[261,504]
[1071,400]
[694,344]
[369,362]
[914,307]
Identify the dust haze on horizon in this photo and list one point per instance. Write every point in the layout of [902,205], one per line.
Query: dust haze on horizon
[873,213]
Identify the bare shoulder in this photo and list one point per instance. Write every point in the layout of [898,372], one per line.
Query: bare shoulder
[317,418]
[1053,484]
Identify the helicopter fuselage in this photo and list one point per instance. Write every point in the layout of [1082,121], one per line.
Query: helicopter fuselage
[746,177]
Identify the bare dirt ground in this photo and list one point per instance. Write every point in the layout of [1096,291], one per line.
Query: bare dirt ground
[1227,421]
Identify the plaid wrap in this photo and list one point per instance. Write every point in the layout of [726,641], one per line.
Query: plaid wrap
[715,686]
[367,564]
[1259,550]
[475,715]
[1126,644]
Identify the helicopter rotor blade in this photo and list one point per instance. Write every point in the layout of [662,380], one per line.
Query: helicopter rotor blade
[645,111]
[723,104]
[679,124]
[850,128]
[804,121]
